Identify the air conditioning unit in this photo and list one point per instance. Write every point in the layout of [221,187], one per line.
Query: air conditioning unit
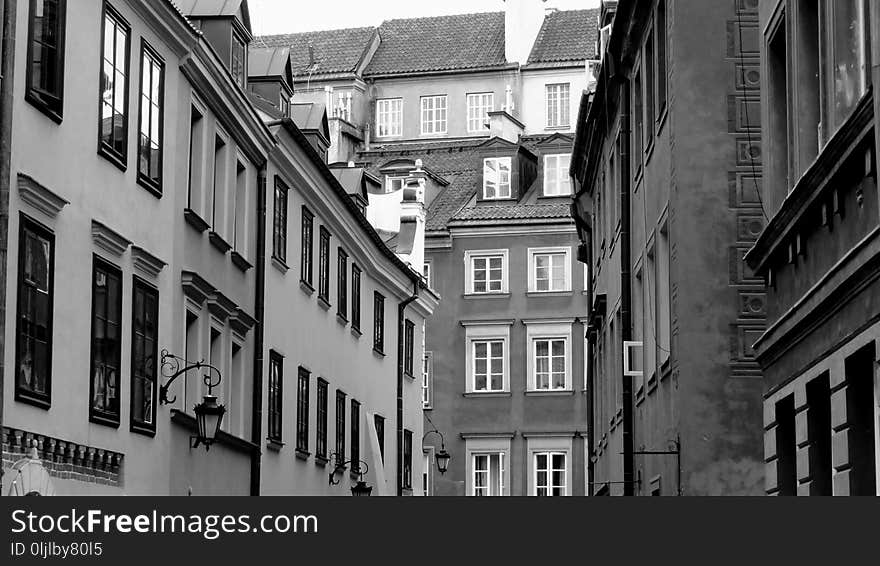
[633,359]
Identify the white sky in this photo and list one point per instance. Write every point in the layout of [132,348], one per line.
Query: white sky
[293,16]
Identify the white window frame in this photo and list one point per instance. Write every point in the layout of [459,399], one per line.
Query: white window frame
[555,120]
[434,112]
[499,194]
[428,471]
[486,332]
[470,256]
[533,271]
[548,330]
[479,104]
[556,176]
[549,444]
[389,117]
[428,272]
[390,180]
[487,445]
[427,380]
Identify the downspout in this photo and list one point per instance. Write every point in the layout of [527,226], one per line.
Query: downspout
[7,75]
[625,291]
[591,338]
[401,318]
[259,332]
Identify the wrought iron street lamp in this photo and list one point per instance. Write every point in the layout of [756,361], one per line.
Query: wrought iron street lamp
[360,488]
[209,414]
[443,457]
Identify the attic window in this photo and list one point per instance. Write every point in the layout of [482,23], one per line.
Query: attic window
[496,178]
[237,68]
[393,184]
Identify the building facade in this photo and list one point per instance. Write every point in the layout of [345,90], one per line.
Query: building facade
[666,205]
[819,253]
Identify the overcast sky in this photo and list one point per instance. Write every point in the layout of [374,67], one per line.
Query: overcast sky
[291,16]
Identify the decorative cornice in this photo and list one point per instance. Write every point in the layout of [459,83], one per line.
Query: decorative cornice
[39,197]
[504,322]
[221,306]
[559,320]
[242,322]
[146,262]
[109,239]
[471,435]
[551,434]
[195,287]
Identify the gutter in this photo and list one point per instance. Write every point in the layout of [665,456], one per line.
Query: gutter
[7,70]
[401,318]
[259,332]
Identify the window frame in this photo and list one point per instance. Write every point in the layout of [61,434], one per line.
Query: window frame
[489,455]
[355,297]
[50,104]
[550,470]
[26,224]
[242,80]
[275,402]
[499,162]
[409,331]
[562,110]
[321,418]
[537,331]
[434,111]
[98,416]
[138,425]
[560,174]
[471,255]
[303,377]
[533,253]
[355,431]
[427,380]
[307,247]
[395,129]
[342,283]
[378,322]
[473,108]
[148,51]
[324,264]
[280,208]
[340,428]
[104,149]
[407,454]
[478,333]
[379,425]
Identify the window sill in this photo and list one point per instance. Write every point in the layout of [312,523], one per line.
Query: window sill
[356,332]
[559,393]
[306,288]
[143,428]
[302,454]
[218,242]
[153,188]
[37,102]
[550,294]
[321,460]
[487,394]
[280,265]
[378,353]
[324,303]
[477,296]
[28,399]
[112,157]
[274,445]
[240,262]
[409,376]
[193,219]
[112,422]
[340,318]
[566,196]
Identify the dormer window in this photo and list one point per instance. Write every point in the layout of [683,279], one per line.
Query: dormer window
[393,184]
[557,182]
[496,178]
[237,68]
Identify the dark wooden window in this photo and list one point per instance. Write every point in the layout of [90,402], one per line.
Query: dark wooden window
[355,436]
[113,101]
[638,119]
[238,66]
[342,283]
[379,421]
[324,265]
[144,355]
[819,433]
[33,352]
[408,346]
[860,415]
[650,88]
[308,223]
[407,458]
[279,222]
[777,172]
[321,424]
[276,379]
[302,410]
[378,322]
[340,427]
[106,342]
[45,69]
[196,154]
[355,297]
[786,447]
[151,118]
[662,49]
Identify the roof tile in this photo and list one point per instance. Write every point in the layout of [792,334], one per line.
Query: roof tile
[568,35]
[336,51]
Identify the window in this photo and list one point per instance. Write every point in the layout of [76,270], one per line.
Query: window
[434,114]
[786,447]
[279,222]
[106,342]
[219,184]
[650,76]
[478,107]
[549,360]
[638,114]
[389,117]
[324,265]
[426,472]
[486,271]
[113,127]
[394,183]
[407,458]
[240,211]
[33,352]
[378,322]
[819,432]
[144,355]
[777,98]
[488,474]
[558,107]
[846,58]
[355,297]
[233,421]
[340,428]
[488,365]
[550,270]
[194,200]
[557,181]
[355,436]
[239,61]
[276,378]
[192,347]
[151,116]
[660,21]
[861,416]
[426,271]
[45,71]
[379,421]
[408,346]
[496,178]
[302,409]
[321,423]
[427,375]
[550,472]
[308,220]
[663,302]
[342,283]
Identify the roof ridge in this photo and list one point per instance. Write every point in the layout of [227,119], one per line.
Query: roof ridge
[422,18]
[333,30]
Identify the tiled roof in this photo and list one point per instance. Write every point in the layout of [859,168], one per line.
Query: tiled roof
[214,8]
[269,62]
[568,35]
[514,212]
[335,51]
[443,43]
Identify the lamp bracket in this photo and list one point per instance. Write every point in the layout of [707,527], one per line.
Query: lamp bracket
[174,366]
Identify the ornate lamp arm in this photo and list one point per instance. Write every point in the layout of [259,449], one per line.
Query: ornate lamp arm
[175,366]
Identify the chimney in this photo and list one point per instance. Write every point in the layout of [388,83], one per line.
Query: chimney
[411,241]
[503,125]
[522,22]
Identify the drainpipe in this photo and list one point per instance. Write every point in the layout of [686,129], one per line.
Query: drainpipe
[7,70]
[625,291]
[591,338]
[259,314]
[401,318]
